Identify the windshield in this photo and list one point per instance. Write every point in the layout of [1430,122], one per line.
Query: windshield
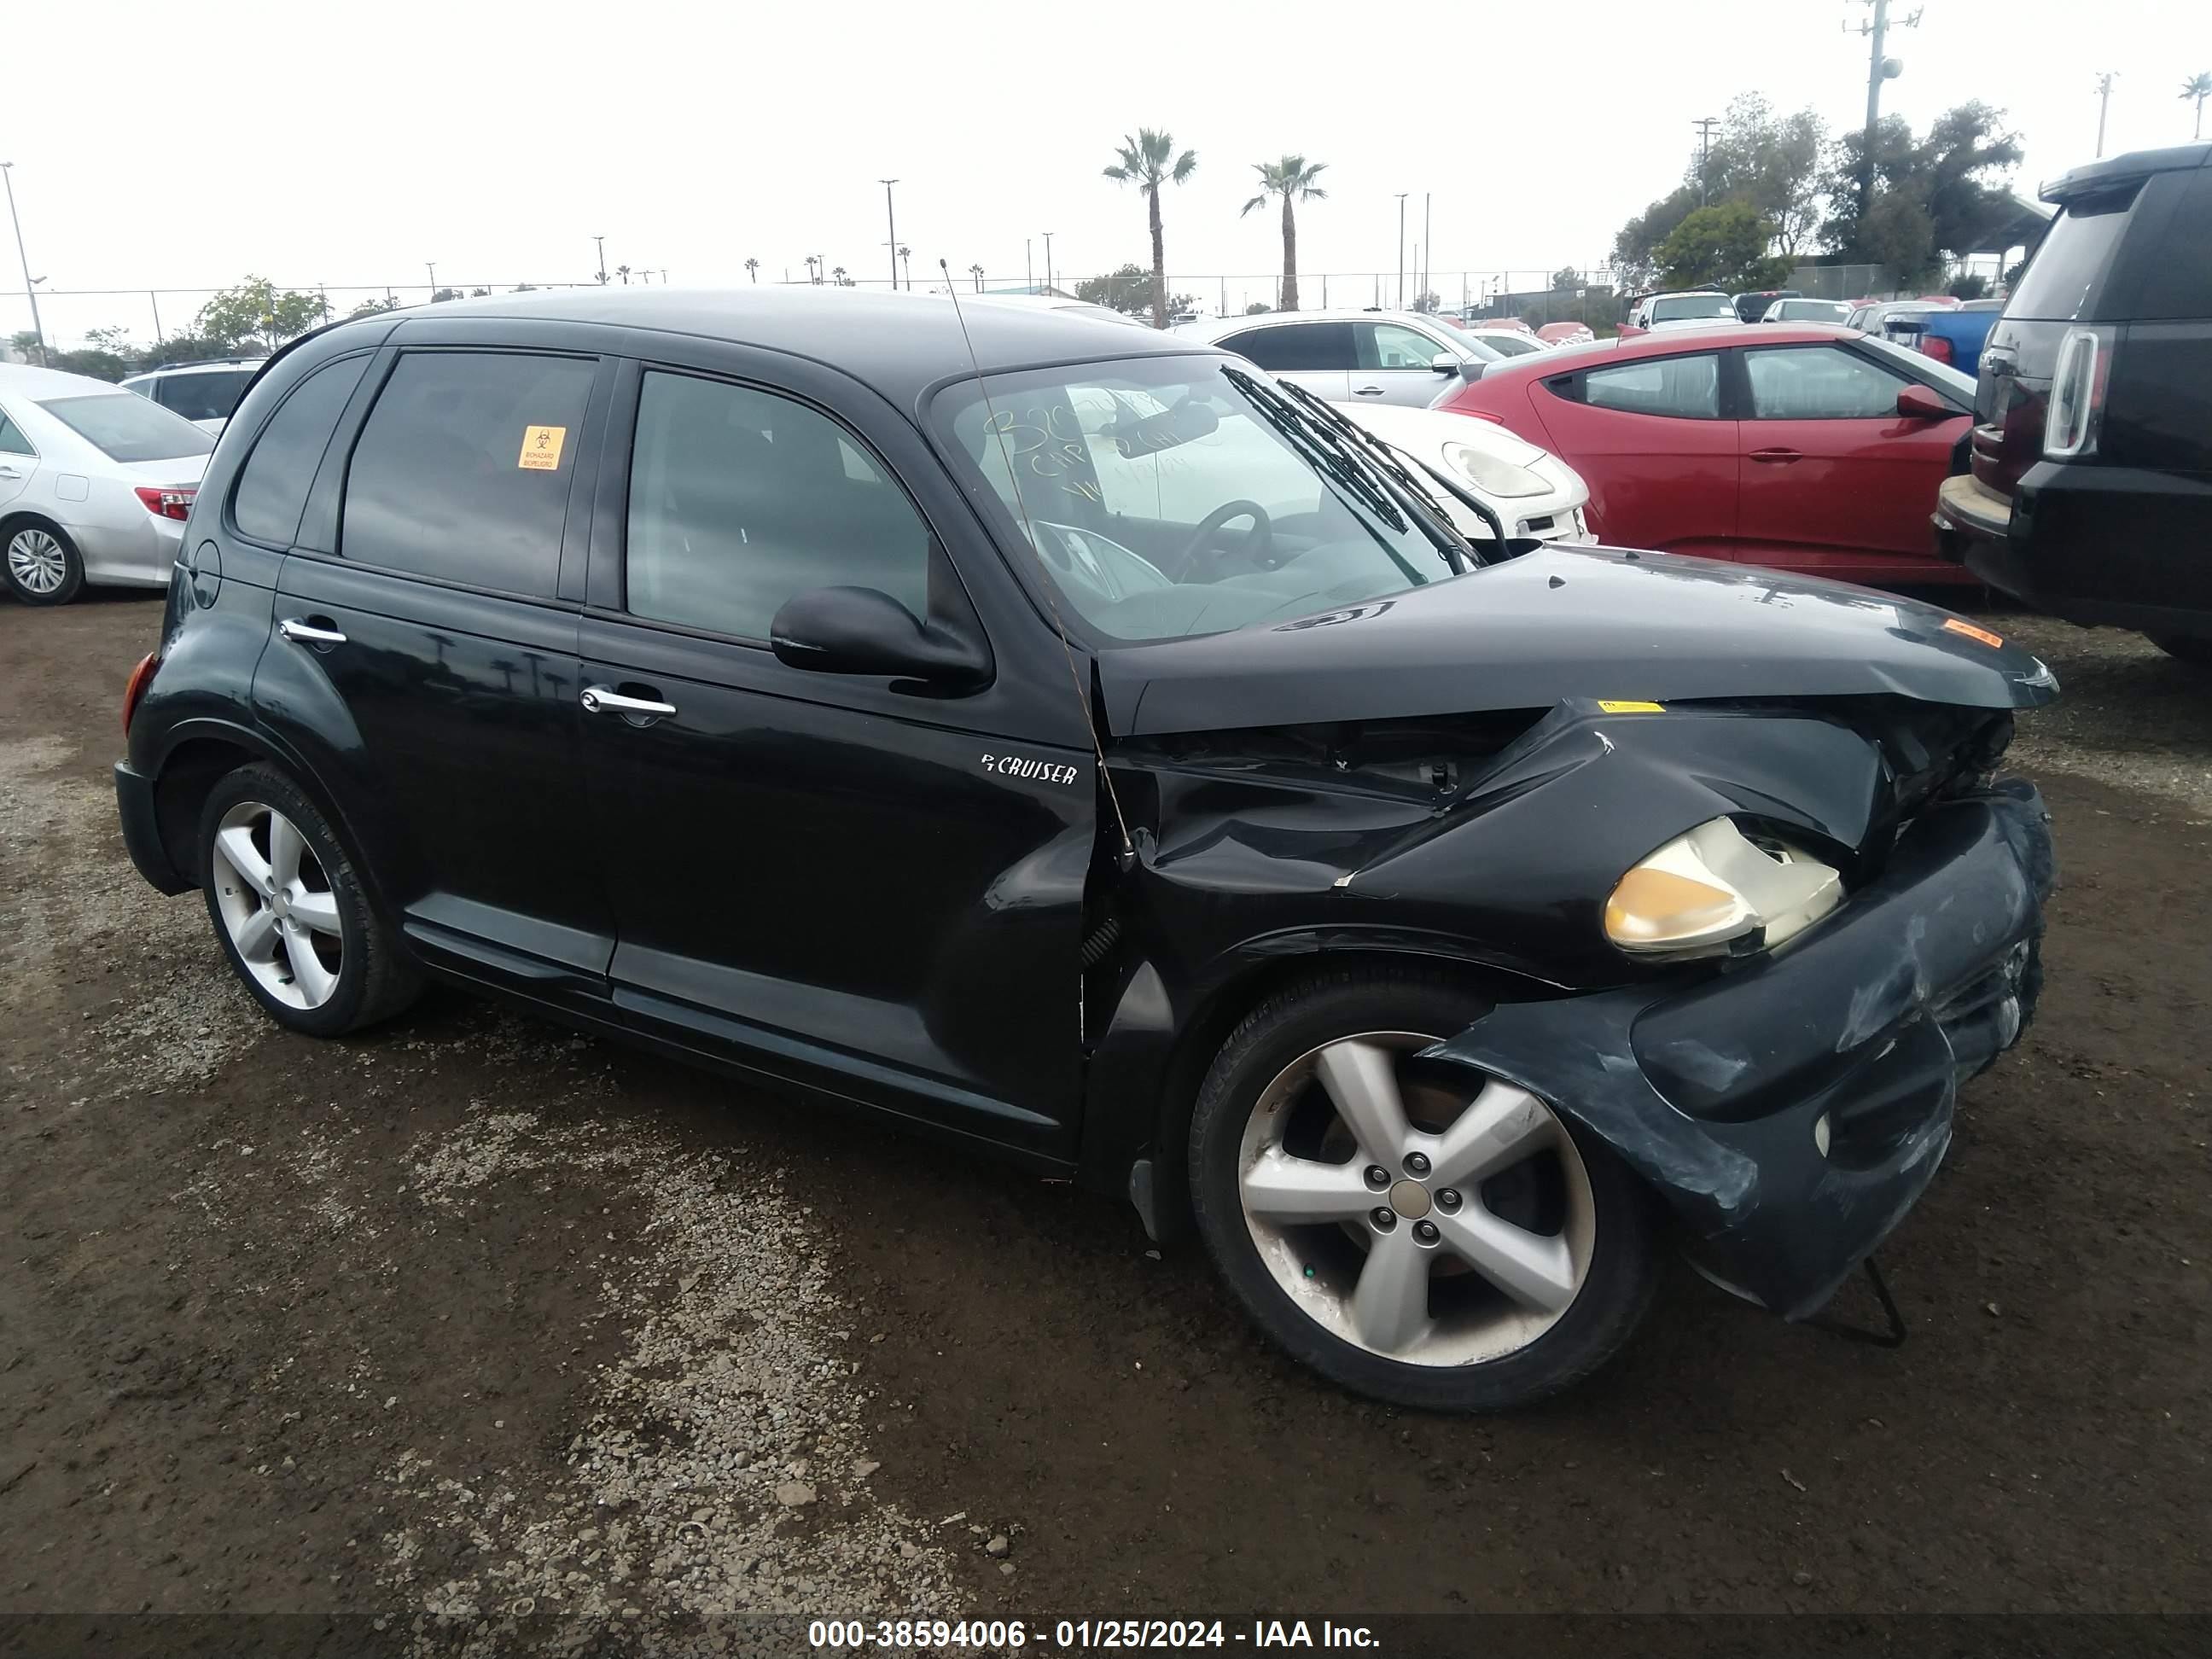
[1512,345]
[1681,307]
[1922,368]
[125,427]
[1179,495]
[1812,310]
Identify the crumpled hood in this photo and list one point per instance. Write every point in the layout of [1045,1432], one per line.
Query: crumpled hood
[1568,623]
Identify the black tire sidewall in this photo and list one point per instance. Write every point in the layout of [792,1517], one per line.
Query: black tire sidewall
[72,565]
[1604,1314]
[269,787]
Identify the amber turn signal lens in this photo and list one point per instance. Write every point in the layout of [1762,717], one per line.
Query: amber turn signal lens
[1650,906]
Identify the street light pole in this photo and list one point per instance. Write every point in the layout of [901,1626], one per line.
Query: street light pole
[2104,103]
[1047,236]
[431,265]
[1401,250]
[601,243]
[30,288]
[891,224]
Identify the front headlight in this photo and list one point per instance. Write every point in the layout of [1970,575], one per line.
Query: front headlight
[1489,473]
[1705,893]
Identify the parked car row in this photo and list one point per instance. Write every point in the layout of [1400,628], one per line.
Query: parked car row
[1443,928]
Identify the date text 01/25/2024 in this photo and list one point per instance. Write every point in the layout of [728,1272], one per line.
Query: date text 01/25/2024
[1081,1634]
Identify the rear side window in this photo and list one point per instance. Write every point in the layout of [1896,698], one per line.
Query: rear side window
[1296,346]
[2070,263]
[2179,284]
[12,441]
[462,470]
[273,488]
[1688,387]
[208,395]
[739,500]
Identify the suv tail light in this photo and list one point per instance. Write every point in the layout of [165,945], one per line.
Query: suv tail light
[2078,394]
[135,687]
[175,502]
[1935,346]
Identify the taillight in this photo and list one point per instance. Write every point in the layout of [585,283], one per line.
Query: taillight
[1935,346]
[2078,394]
[135,687]
[167,503]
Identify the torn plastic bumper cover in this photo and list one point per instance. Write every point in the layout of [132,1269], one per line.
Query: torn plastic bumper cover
[1792,1110]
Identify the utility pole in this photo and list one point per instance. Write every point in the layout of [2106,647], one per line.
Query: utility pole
[2104,103]
[601,243]
[1029,266]
[1704,125]
[1401,250]
[891,224]
[30,288]
[1429,247]
[1047,236]
[431,265]
[1878,70]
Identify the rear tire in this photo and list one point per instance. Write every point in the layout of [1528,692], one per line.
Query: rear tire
[2193,648]
[290,912]
[1524,1274]
[41,565]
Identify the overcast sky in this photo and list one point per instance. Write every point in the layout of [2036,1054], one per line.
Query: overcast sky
[313,141]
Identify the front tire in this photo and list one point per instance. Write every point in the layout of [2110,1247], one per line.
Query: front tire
[291,914]
[41,564]
[1417,1234]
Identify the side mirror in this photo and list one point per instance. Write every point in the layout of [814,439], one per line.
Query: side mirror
[860,630]
[1918,403]
[1445,362]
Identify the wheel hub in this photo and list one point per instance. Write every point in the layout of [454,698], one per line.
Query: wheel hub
[1410,1199]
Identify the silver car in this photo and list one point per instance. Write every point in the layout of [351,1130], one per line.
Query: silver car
[96,484]
[1405,358]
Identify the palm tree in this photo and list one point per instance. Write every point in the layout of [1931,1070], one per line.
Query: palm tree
[2199,87]
[839,273]
[752,269]
[622,271]
[812,275]
[906,258]
[1146,163]
[1291,178]
[976,271]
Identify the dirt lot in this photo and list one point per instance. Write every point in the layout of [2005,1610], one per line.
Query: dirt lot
[476,1314]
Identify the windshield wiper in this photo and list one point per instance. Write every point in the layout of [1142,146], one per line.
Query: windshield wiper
[1388,458]
[1319,447]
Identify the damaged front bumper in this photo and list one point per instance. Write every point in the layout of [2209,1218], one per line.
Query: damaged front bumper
[1792,1110]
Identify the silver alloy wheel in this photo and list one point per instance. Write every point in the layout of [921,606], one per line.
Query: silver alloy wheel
[36,561]
[277,905]
[1398,1248]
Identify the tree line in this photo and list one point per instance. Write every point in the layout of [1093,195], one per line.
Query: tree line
[1773,191]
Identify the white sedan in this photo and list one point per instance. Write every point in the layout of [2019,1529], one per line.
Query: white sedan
[1534,494]
[96,484]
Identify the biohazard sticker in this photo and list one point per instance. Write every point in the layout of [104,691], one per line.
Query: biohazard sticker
[541,448]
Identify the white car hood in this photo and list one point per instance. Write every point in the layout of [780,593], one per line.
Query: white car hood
[1424,434]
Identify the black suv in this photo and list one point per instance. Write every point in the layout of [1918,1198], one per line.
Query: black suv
[1065,740]
[2091,492]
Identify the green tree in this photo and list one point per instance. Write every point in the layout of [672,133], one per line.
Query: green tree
[257,311]
[1291,178]
[1257,308]
[1724,247]
[1945,192]
[1148,161]
[1636,245]
[2195,89]
[373,307]
[1774,163]
[1128,288]
[1972,286]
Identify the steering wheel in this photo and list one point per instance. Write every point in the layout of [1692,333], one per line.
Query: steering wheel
[1259,541]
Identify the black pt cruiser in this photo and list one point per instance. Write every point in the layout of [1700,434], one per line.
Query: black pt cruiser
[1068,741]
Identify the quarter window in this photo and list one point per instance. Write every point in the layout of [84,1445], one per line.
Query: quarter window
[12,441]
[462,470]
[1292,347]
[1687,387]
[740,500]
[1819,383]
[273,488]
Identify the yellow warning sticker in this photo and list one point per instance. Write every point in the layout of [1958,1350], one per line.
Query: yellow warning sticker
[1954,625]
[1617,706]
[541,448]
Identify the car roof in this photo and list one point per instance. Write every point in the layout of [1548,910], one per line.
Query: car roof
[899,343]
[1213,328]
[1585,353]
[204,366]
[2119,169]
[34,382]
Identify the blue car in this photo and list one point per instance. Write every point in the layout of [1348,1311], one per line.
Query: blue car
[1953,335]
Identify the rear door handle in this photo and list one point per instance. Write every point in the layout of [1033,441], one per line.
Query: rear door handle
[1367,391]
[10,472]
[1778,455]
[606,699]
[307,633]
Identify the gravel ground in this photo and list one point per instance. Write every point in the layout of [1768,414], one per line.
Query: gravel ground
[475,1317]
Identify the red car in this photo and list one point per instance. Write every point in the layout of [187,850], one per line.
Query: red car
[1802,446]
[1565,333]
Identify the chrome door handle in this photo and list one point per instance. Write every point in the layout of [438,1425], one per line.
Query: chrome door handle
[1367,391]
[10,472]
[606,699]
[307,634]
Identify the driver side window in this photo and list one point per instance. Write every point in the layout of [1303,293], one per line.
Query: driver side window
[1388,345]
[740,499]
